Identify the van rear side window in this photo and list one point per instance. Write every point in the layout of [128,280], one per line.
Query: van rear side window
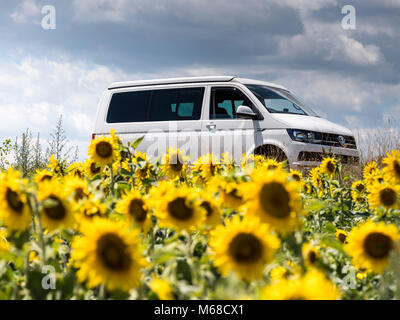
[156,105]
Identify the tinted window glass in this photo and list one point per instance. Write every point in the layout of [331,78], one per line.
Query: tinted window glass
[162,102]
[279,101]
[225,101]
[156,105]
[128,107]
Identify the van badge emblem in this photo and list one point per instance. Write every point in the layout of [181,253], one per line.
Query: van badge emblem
[341,140]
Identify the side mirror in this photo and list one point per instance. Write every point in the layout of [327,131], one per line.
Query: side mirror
[245,112]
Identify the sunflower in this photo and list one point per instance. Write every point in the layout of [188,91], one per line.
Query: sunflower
[212,208]
[76,169]
[316,179]
[272,164]
[392,168]
[42,175]
[108,252]
[359,186]
[328,166]
[361,274]
[207,166]
[91,168]
[115,137]
[310,254]
[14,209]
[370,245]
[143,167]
[136,209]
[76,188]
[358,192]
[274,198]
[312,286]
[90,209]
[159,190]
[104,151]
[55,165]
[162,288]
[4,244]
[180,209]
[55,208]
[231,194]
[385,195]
[370,170]
[278,273]
[227,162]
[341,235]
[243,246]
[247,160]
[174,163]
[296,175]
[307,188]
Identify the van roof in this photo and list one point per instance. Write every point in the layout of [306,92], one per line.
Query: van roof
[139,83]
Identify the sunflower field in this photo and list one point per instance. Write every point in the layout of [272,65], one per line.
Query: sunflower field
[119,226]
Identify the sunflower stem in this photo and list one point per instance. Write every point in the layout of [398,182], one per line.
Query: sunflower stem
[39,230]
[111,180]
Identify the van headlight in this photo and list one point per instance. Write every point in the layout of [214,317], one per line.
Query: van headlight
[303,135]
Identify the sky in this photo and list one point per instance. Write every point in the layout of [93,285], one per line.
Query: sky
[349,76]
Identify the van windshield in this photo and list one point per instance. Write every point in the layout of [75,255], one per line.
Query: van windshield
[280,101]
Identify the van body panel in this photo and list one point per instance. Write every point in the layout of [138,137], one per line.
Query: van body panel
[237,136]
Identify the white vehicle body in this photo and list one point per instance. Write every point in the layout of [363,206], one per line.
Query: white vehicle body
[301,138]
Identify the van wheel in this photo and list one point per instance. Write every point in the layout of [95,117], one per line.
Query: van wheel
[272,152]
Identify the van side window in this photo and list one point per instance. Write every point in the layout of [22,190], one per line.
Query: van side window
[225,101]
[156,105]
[128,107]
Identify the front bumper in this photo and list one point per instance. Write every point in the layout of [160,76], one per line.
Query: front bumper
[310,155]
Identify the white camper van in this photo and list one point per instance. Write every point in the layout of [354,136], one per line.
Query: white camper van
[221,114]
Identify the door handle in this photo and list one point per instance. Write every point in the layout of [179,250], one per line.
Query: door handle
[211,126]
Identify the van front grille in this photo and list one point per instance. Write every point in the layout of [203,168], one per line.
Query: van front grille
[329,139]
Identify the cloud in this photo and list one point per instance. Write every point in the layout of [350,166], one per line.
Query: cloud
[329,42]
[35,91]
[26,12]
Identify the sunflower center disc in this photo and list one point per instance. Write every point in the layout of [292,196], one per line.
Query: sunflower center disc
[331,167]
[143,172]
[90,214]
[312,256]
[78,173]
[396,166]
[212,168]
[14,201]
[104,149]
[175,164]
[234,194]
[113,252]
[246,248]
[274,200]
[296,177]
[46,177]
[388,197]
[360,187]
[342,237]
[377,245]
[79,194]
[179,210]
[206,205]
[57,211]
[94,169]
[136,210]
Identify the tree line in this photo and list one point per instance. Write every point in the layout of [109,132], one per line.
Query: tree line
[27,154]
